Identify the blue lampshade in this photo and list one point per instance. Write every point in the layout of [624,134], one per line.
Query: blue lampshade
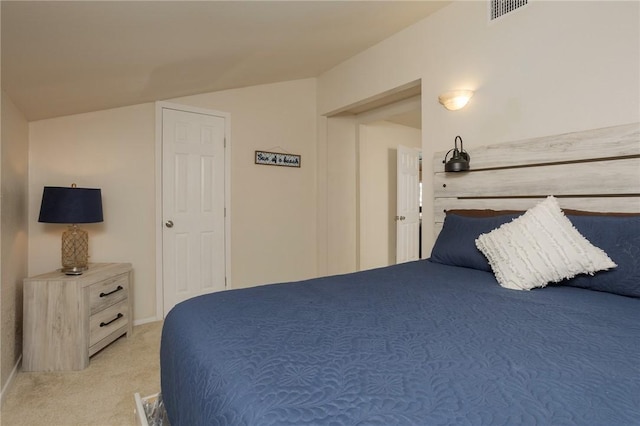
[70,205]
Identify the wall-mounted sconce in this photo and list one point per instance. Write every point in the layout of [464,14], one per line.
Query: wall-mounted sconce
[459,161]
[456,99]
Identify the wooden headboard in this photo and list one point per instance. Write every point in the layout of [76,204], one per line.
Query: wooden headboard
[595,170]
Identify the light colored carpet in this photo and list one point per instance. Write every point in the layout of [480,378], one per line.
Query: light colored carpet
[101,394]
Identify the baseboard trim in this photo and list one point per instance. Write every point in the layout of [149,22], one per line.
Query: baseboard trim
[144,321]
[12,376]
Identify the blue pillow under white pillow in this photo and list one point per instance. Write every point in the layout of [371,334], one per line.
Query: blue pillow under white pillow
[619,237]
[540,247]
[456,245]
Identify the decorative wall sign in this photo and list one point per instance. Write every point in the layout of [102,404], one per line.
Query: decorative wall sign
[277,159]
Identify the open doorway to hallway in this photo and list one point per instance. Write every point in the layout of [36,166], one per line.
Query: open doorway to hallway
[352,228]
[389,170]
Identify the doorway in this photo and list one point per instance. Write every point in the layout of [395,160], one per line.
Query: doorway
[340,226]
[192,201]
[388,232]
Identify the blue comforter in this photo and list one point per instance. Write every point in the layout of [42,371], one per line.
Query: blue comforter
[413,344]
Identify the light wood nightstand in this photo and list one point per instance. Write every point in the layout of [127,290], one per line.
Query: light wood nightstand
[69,318]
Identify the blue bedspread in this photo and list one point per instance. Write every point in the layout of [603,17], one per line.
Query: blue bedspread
[413,344]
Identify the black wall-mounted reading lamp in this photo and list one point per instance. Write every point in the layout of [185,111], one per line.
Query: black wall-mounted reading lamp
[459,161]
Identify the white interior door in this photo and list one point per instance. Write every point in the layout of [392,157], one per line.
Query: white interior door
[408,205]
[193,205]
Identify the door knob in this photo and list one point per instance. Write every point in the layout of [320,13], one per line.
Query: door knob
[169,224]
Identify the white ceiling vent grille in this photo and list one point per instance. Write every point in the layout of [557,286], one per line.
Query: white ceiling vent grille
[500,8]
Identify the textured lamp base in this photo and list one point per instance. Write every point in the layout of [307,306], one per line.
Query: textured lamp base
[75,251]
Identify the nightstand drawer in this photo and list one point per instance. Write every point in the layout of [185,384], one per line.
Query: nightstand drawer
[107,321]
[108,292]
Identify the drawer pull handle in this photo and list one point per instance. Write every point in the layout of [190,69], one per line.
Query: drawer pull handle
[111,292]
[104,324]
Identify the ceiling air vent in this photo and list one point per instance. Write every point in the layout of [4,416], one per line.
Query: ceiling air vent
[500,8]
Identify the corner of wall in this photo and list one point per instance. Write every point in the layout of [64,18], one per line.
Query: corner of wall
[14,143]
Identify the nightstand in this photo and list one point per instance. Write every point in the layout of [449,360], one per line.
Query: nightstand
[68,318]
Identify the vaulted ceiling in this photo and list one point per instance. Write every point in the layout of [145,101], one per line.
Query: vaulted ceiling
[68,57]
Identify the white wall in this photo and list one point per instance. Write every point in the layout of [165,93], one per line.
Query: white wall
[340,205]
[272,209]
[552,67]
[13,232]
[378,189]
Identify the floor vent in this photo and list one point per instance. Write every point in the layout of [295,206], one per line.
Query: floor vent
[500,8]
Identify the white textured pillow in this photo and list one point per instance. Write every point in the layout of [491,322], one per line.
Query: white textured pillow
[540,247]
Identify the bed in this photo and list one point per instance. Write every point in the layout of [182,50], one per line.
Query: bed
[441,340]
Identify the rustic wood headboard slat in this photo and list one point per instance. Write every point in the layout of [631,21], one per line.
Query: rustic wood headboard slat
[595,170]
[608,142]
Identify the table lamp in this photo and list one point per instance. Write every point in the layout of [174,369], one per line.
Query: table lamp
[72,206]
